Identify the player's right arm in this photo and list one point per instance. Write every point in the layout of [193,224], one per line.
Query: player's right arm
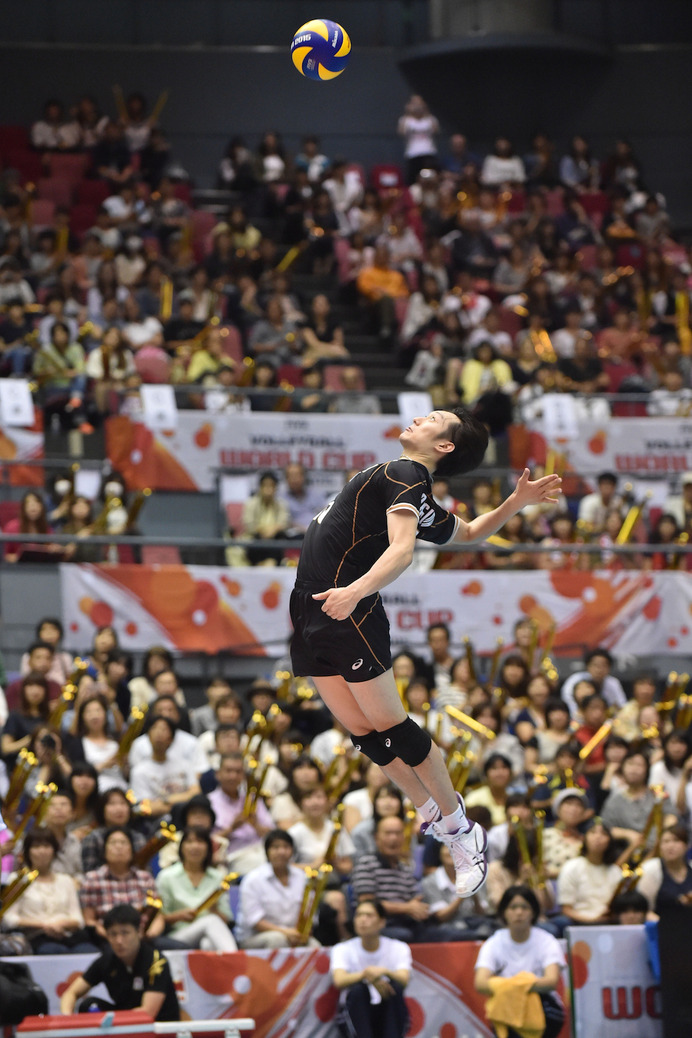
[402,524]
[77,989]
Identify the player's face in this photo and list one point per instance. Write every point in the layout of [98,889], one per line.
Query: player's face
[425,433]
[366,921]
[124,942]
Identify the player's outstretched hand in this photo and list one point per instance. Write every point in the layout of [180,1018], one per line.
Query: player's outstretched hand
[339,602]
[531,491]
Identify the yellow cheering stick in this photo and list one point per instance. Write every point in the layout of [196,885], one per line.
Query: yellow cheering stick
[470,722]
[595,740]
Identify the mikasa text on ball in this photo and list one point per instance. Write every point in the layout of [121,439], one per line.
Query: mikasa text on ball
[321,49]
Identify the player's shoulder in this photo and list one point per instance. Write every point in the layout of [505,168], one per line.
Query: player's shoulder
[405,471]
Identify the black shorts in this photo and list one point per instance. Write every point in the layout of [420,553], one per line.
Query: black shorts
[357,648]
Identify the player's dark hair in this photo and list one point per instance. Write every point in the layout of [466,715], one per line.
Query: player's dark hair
[470,439]
[121,915]
[629,901]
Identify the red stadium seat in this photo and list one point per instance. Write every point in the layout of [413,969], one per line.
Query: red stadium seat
[234,517]
[290,373]
[57,189]
[71,167]
[42,212]
[93,191]
[517,202]
[82,217]
[14,138]
[27,162]
[232,343]
[386,176]
[160,555]
[631,254]
[183,191]
[588,257]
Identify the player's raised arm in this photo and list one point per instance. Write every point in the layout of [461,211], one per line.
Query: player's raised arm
[527,492]
[402,524]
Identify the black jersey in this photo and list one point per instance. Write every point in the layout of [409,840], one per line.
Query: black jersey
[350,534]
[150,972]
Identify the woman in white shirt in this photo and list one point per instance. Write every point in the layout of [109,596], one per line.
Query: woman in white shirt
[521,947]
[98,748]
[48,912]
[313,834]
[585,885]
[419,129]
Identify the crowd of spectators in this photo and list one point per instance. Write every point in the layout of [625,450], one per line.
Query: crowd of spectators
[488,279]
[570,779]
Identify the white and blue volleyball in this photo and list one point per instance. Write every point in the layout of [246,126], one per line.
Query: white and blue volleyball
[320,49]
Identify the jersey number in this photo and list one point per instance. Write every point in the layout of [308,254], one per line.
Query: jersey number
[320,515]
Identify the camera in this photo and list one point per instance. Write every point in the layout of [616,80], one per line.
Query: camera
[48,741]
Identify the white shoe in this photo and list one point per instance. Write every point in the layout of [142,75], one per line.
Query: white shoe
[468,855]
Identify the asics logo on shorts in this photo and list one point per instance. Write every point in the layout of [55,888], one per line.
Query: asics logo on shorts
[356,665]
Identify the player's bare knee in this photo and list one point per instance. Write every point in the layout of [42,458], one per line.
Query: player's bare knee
[407,741]
[371,746]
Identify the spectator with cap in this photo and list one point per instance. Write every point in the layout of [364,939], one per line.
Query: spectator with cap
[564,839]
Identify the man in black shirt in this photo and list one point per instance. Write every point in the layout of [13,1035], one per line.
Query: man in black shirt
[360,543]
[136,974]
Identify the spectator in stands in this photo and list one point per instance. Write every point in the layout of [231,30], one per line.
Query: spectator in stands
[203,718]
[113,809]
[273,337]
[594,507]
[519,948]
[59,368]
[586,884]
[83,785]
[271,158]
[671,397]
[48,912]
[563,840]
[512,273]
[156,659]
[32,711]
[40,658]
[116,882]
[164,778]
[304,774]
[419,129]
[140,330]
[483,373]
[582,372]
[271,897]
[322,334]
[387,877]
[311,836]
[388,802]
[310,396]
[111,367]
[513,868]
[311,159]
[497,775]
[235,169]
[597,667]
[345,190]
[626,811]
[380,285]
[170,213]
[350,399]
[112,160]
[52,761]
[244,830]
[136,975]
[265,517]
[578,170]
[96,745]
[303,502]
[185,885]
[668,770]
[15,345]
[666,880]
[503,168]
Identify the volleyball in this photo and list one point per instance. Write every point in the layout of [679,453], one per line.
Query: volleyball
[321,49]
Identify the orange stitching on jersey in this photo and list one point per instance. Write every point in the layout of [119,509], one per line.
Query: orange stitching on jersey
[365,640]
[377,598]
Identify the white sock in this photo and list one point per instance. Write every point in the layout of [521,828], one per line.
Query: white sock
[452,823]
[429,810]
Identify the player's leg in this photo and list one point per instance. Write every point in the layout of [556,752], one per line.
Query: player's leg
[380,702]
[338,697]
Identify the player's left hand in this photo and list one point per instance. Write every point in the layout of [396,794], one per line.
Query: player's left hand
[339,602]
[531,491]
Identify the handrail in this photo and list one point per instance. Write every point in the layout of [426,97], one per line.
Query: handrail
[138,540]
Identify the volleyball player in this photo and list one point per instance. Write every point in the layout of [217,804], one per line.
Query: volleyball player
[361,542]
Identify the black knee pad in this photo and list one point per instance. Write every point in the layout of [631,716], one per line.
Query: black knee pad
[372,747]
[408,741]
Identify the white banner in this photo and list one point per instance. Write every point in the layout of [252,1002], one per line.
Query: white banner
[614,992]
[184,458]
[213,609]
[654,447]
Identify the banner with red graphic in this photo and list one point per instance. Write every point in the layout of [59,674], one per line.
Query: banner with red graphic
[614,992]
[288,992]
[186,457]
[245,611]
[640,447]
[19,444]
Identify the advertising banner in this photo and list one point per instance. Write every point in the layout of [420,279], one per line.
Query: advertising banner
[185,457]
[245,611]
